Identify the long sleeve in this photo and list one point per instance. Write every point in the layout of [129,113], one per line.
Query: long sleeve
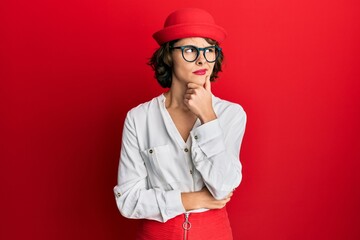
[133,196]
[215,151]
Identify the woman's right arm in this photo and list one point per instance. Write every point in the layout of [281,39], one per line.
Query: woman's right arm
[133,196]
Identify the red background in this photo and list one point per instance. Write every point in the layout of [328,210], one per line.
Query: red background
[70,70]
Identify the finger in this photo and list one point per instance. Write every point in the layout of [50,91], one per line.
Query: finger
[226,200]
[223,203]
[190,91]
[186,101]
[207,85]
[187,96]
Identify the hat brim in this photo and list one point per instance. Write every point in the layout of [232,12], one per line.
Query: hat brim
[180,31]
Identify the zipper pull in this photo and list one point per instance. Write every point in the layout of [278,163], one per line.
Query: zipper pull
[187,224]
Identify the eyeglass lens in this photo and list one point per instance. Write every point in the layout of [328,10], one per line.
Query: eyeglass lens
[191,53]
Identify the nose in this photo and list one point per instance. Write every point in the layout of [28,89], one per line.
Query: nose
[201,59]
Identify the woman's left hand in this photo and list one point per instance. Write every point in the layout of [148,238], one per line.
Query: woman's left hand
[199,100]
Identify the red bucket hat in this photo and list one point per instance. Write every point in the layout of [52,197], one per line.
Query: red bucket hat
[189,22]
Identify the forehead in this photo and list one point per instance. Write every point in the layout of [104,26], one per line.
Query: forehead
[196,41]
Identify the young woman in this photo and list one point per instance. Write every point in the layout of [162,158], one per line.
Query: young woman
[179,161]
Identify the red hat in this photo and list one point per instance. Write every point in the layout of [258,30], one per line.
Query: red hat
[189,22]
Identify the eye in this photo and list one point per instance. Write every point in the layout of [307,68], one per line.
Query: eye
[210,49]
[189,49]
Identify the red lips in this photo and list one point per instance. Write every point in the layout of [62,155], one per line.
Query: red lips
[200,72]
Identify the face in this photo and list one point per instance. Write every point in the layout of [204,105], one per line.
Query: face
[196,72]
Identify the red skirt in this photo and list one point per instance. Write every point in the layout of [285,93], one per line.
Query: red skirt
[209,225]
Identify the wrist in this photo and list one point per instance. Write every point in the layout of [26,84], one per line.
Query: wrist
[208,117]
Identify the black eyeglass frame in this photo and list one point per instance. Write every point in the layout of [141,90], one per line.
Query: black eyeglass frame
[198,52]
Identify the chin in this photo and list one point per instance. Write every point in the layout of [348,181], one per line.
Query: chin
[199,80]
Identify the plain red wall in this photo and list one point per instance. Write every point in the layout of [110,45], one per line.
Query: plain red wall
[70,70]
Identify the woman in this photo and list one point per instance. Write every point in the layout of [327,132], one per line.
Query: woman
[179,161]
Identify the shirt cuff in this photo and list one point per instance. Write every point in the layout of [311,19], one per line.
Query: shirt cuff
[209,138]
[174,203]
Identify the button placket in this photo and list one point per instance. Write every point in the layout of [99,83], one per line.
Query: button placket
[187,156]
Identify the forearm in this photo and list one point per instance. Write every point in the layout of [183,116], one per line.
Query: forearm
[155,204]
[215,156]
[221,174]
[202,199]
[207,116]
[190,200]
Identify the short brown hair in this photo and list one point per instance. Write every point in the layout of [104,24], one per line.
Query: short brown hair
[161,63]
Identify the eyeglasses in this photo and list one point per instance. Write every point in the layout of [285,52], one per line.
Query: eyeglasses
[191,53]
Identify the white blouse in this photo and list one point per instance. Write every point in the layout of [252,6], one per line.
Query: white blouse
[156,164]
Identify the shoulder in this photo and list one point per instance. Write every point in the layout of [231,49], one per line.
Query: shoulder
[231,116]
[144,109]
[228,108]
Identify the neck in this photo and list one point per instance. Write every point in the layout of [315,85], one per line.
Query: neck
[175,96]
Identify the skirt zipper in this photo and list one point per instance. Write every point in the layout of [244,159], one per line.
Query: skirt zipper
[186,225]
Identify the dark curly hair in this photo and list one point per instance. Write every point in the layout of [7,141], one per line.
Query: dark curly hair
[161,63]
